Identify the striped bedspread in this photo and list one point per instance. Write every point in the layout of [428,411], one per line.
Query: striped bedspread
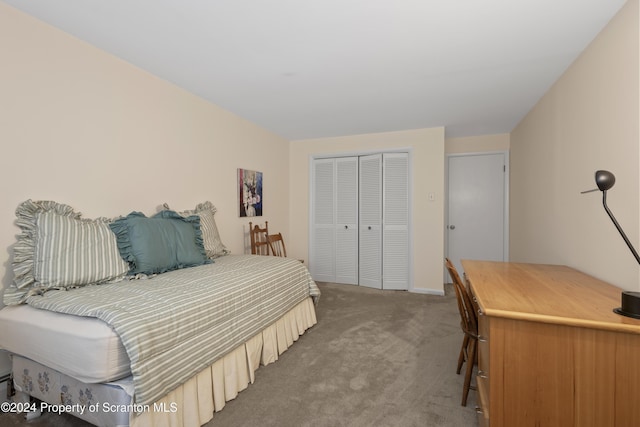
[177,323]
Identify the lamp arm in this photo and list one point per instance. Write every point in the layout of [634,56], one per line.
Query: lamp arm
[624,236]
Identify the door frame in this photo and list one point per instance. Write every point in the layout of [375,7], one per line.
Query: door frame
[358,153]
[505,234]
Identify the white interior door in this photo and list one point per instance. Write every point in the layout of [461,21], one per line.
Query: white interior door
[322,257]
[360,220]
[477,224]
[395,219]
[371,221]
[334,247]
[346,251]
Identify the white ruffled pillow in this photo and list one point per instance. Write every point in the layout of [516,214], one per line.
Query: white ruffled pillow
[58,249]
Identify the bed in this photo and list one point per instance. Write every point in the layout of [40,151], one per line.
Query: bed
[153,346]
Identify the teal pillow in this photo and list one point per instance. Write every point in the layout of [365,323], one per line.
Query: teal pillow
[163,242]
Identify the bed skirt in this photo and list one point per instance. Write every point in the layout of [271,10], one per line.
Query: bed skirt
[192,404]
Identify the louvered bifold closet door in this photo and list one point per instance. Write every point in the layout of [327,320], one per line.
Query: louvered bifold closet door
[322,258]
[370,214]
[346,253]
[395,252]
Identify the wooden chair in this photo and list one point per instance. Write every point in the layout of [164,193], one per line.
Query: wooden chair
[259,242]
[276,244]
[469,325]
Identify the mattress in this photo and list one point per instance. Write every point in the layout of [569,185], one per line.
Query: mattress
[84,348]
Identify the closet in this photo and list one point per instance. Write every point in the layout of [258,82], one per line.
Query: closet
[360,220]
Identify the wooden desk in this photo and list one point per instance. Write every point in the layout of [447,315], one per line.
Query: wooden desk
[551,351]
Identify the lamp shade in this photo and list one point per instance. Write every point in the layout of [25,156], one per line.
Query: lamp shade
[605,180]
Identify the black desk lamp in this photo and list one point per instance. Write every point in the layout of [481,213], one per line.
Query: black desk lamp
[630,300]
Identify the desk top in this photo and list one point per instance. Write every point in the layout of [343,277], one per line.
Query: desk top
[546,293]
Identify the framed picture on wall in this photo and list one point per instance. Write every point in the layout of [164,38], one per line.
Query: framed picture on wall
[250,192]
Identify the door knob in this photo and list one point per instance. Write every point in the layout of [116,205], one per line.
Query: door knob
[452,227]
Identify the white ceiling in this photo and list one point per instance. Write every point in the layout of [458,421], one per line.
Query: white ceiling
[318,68]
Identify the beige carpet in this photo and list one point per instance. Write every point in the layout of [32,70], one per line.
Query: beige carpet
[375,358]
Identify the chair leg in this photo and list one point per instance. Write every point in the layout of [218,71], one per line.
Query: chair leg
[467,378]
[463,350]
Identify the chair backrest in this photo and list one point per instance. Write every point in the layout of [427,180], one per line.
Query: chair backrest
[468,314]
[276,243]
[259,243]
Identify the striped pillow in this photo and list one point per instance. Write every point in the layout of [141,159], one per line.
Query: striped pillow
[75,252]
[212,242]
[58,249]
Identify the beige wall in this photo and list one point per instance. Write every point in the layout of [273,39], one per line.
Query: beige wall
[82,127]
[427,147]
[588,120]
[474,144]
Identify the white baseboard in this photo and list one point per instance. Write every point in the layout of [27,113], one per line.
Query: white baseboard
[427,291]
